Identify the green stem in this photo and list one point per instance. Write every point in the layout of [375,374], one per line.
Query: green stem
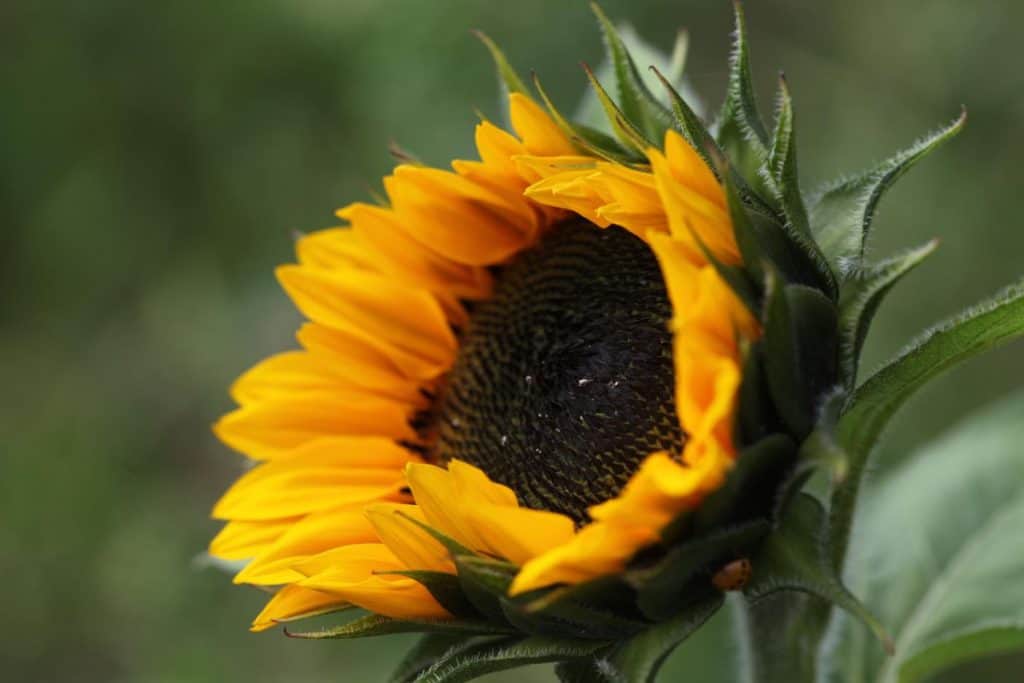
[781,636]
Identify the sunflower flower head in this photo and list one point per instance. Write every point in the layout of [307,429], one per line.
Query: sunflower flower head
[567,393]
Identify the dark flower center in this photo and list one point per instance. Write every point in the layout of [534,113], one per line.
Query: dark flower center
[564,381]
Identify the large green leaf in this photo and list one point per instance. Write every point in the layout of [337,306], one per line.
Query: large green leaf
[876,401]
[939,555]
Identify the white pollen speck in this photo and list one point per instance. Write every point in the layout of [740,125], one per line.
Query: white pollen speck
[614,383]
[583,381]
[456,422]
[504,439]
[528,379]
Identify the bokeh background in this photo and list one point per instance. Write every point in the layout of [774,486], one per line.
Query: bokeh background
[155,159]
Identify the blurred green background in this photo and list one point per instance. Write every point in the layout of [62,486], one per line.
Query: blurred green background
[156,157]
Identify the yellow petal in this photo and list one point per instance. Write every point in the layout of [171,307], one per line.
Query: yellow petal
[436,495]
[457,226]
[298,372]
[355,573]
[539,134]
[295,602]
[272,428]
[411,320]
[244,540]
[416,548]
[518,534]
[598,549]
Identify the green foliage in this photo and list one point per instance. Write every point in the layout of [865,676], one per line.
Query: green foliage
[938,554]
[876,401]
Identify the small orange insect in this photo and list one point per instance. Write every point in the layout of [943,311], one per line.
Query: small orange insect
[733,576]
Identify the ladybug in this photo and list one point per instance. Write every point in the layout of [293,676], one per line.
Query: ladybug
[733,576]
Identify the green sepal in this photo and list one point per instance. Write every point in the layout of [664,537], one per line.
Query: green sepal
[426,651]
[500,655]
[842,213]
[668,586]
[980,328]
[589,139]
[639,658]
[756,416]
[795,558]
[446,589]
[570,618]
[763,240]
[377,625]
[485,582]
[862,292]
[741,131]
[745,491]
[782,164]
[801,350]
[821,449]
[596,669]
[636,101]
[688,123]
[624,129]
[508,75]
[454,548]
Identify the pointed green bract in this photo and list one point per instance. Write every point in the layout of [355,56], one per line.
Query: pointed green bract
[377,625]
[782,164]
[636,101]
[740,112]
[841,215]
[508,75]
[624,129]
[861,295]
[593,141]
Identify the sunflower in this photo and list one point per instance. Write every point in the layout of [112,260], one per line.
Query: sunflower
[564,381]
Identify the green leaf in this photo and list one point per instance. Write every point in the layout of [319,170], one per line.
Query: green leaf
[639,658]
[505,654]
[939,554]
[860,297]
[377,625]
[841,215]
[875,402]
[637,102]
[795,558]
